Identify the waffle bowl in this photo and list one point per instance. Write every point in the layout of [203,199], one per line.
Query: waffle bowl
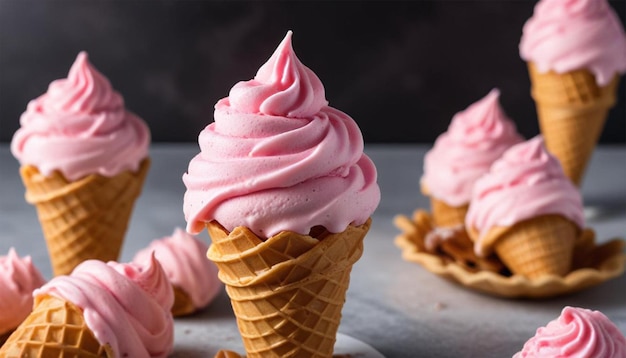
[449,254]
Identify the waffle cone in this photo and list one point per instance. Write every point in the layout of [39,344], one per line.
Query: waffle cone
[55,328]
[572,110]
[183,305]
[444,215]
[83,219]
[288,291]
[536,247]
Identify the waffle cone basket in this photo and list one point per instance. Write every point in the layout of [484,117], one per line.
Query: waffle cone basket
[572,110]
[287,292]
[537,247]
[83,219]
[55,328]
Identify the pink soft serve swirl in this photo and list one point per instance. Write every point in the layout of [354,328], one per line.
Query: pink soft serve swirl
[283,86]
[126,306]
[18,278]
[80,126]
[524,183]
[183,258]
[475,138]
[278,158]
[576,333]
[567,35]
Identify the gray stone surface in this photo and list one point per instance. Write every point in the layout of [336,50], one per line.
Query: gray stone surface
[397,307]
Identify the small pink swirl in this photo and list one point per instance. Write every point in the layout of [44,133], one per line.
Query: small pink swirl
[279,172]
[80,127]
[576,333]
[183,258]
[567,35]
[524,183]
[283,86]
[475,138]
[18,278]
[125,305]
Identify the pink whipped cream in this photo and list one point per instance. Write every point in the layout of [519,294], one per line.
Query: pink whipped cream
[524,183]
[576,333]
[80,126]
[279,158]
[567,35]
[18,278]
[183,258]
[475,138]
[126,306]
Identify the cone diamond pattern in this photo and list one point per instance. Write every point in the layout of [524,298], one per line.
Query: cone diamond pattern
[288,291]
[84,219]
[55,329]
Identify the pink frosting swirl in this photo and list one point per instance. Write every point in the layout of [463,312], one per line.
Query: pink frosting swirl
[183,258]
[278,158]
[576,333]
[475,138]
[126,306]
[80,127]
[18,278]
[524,183]
[567,35]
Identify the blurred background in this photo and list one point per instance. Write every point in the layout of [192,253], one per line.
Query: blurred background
[401,69]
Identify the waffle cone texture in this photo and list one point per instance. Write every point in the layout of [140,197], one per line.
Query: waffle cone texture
[445,215]
[288,291]
[572,110]
[537,247]
[54,329]
[86,218]
[183,305]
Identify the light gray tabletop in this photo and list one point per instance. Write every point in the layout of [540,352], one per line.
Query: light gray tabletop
[395,306]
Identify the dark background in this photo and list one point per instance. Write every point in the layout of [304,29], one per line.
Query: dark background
[401,69]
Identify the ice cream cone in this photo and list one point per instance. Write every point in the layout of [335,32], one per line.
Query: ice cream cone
[55,328]
[445,215]
[572,110]
[83,219]
[183,305]
[536,247]
[288,291]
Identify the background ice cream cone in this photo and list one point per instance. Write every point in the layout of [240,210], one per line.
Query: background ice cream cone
[83,219]
[445,215]
[183,305]
[55,328]
[537,247]
[288,291]
[572,110]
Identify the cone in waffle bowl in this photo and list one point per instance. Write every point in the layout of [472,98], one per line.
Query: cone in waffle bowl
[288,291]
[55,328]
[572,110]
[443,214]
[86,218]
[593,263]
[535,247]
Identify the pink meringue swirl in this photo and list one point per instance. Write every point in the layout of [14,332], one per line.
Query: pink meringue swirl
[183,258]
[278,158]
[18,278]
[567,35]
[126,306]
[80,127]
[524,183]
[576,333]
[475,138]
